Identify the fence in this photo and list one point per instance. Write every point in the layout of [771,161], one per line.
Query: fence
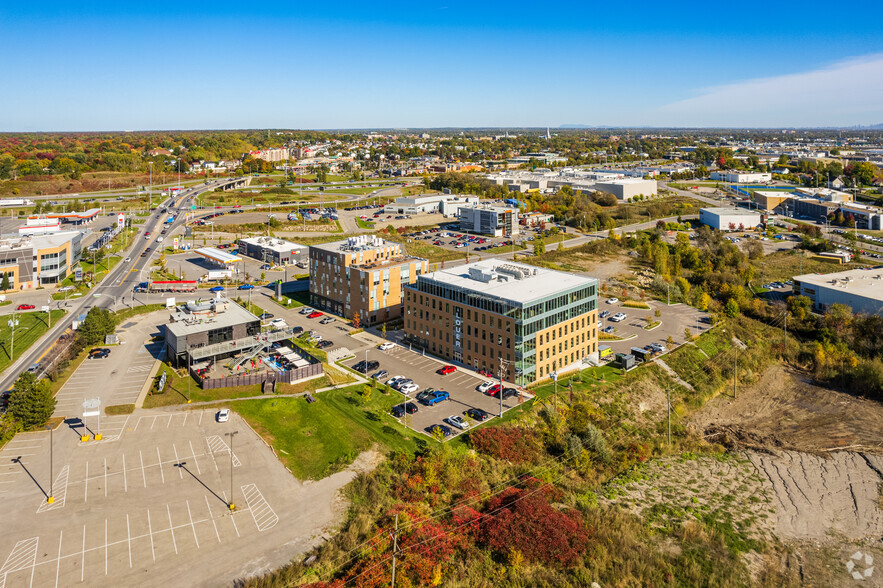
[287,377]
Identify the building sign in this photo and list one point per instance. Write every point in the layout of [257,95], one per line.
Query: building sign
[175,242]
[458,328]
[121,220]
[78,274]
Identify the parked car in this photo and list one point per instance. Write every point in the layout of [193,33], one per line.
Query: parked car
[485,386]
[99,353]
[612,300]
[448,369]
[25,307]
[409,388]
[216,289]
[380,375]
[363,367]
[223,415]
[440,428]
[265,315]
[314,314]
[604,314]
[246,287]
[393,381]
[619,316]
[435,397]
[385,346]
[457,421]
[608,330]
[324,344]
[306,310]
[477,414]
[326,320]
[398,411]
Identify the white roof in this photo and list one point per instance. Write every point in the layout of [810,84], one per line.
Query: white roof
[218,255]
[274,244]
[861,282]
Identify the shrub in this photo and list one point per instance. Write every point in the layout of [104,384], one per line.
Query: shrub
[513,444]
[594,441]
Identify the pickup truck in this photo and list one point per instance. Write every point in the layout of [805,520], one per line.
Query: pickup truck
[435,397]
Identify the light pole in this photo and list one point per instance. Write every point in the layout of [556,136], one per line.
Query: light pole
[150,189]
[51,498]
[12,322]
[231,435]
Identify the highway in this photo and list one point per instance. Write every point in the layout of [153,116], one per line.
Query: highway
[115,286]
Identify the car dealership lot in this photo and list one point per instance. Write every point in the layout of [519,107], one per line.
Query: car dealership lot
[461,385]
[148,509]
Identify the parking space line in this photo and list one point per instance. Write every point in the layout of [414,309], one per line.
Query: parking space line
[169,424]
[129,536]
[264,516]
[58,566]
[196,461]
[21,552]
[82,556]
[180,473]
[212,517]
[201,412]
[192,526]
[150,530]
[105,477]
[60,482]
[232,518]
[172,528]
[143,474]
[105,547]
[218,445]
[159,464]
[86,484]
[125,478]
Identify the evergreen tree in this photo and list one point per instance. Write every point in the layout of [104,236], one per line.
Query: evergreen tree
[31,403]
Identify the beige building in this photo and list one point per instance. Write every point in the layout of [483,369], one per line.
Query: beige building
[40,260]
[538,321]
[362,276]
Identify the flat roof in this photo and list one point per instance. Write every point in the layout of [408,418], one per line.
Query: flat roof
[218,255]
[626,181]
[273,244]
[724,211]
[182,323]
[356,244]
[859,282]
[536,284]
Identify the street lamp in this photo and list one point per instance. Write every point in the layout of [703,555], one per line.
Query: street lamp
[12,322]
[232,434]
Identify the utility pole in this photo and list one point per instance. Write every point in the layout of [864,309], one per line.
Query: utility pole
[785,330]
[231,435]
[735,369]
[395,549]
[668,402]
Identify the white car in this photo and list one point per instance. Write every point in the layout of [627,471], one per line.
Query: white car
[485,386]
[223,415]
[409,388]
[394,380]
[128,259]
[387,345]
[612,300]
[619,316]
[457,421]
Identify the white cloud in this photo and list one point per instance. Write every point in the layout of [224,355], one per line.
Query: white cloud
[844,93]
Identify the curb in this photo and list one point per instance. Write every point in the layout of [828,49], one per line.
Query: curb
[139,402]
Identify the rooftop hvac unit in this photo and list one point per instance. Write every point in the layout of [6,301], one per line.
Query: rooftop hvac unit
[517,272]
[481,275]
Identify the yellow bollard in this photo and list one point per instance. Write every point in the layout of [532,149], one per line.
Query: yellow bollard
[232,507]
[84,438]
[98,437]
[50,500]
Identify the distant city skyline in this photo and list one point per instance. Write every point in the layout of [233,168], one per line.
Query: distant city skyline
[106,66]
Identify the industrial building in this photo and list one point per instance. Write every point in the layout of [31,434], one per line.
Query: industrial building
[628,188]
[739,177]
[771,200]
[859,289]
[39,260]
[812,208]
[538,321]
[274,251]
[446,204]
[497,221]
[362,276]
[729,219]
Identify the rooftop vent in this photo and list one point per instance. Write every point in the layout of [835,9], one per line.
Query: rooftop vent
[481,275]
[517,272]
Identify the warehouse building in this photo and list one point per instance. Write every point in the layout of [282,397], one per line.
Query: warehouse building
[859,289]
[497,221]
[538,321]
[729,219]
[362,276]
[446,204]
[274,251]
[627,188]
[737,177]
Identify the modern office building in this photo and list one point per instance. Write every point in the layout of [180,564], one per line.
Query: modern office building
[628,188]
[729,219]
[536,320]
[497,221]
[812,208]
[859,289]
[217,329]
[446,204]
[274,251]
[39,260]
[737,177]
[362,276]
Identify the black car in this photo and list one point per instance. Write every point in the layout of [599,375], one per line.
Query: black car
[297,330]
[398,411]
[477,414]
[363,367]
[324,343]
[99,353]
[445,430]
[265,315]
[410,408]
[507,393]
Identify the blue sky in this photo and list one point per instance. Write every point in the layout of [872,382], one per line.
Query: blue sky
[218,65]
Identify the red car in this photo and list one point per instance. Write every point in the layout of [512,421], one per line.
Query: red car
[26,307]
[314,314]
[492,391]
[448,369]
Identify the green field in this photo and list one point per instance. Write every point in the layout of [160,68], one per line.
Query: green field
[31,326]
[317,439]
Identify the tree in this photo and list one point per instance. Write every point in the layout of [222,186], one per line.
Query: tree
[357,320]
[731,309]
[539,247]
[97,325]
[4,283]
[31,402]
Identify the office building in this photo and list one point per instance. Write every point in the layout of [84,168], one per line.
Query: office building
[274,251]
[729,219]
[446,204]
[859,289]
[737,177]
[812,208]
[771,200]
[538,321]
[627,188]
[497,221]
[362,276]
[39,260]
[211,331]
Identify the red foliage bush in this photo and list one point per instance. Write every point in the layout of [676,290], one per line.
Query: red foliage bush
[514,444]
[524,520]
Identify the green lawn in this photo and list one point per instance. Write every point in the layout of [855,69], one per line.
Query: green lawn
[317,439]
[31,326]
[363,224]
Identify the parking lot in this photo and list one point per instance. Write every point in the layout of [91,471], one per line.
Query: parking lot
[461,385]
[151,508]
[673,320]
